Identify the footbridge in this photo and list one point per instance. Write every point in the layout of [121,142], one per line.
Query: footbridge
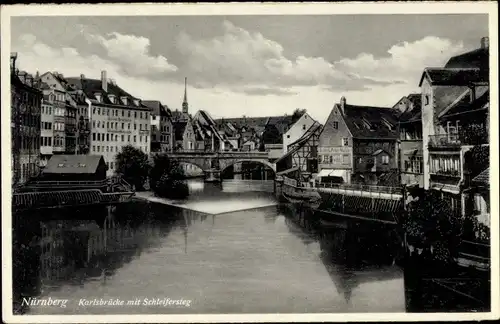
[213,163]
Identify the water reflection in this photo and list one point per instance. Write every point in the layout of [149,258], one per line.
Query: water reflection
[254,260]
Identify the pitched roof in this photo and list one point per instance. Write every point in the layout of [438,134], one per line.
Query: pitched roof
[73,164]
[415,114]
[453,76]
[282,123]
[465,104]
[478,58]
[92,86]
[154,106]
[249,122]
[483,177]
[370,122]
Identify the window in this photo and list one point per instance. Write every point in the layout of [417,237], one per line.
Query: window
[135,138]
[129,113]
[128,125]
[128,138]
[135,114]
[123,113]
[98,148]
[345,159]
[385,159]
[345,141]
[123,138]
[140,138]
[303,127]
[153,117]
[288,136]
[107,137]
[135,126]
[427,99]
[335,125]
[93,136]
[360,160]
[123,126]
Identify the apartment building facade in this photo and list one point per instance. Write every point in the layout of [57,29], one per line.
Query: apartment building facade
[162,132]
[358,144]
[455,105]
[115,117]
[26,102]
[410,140]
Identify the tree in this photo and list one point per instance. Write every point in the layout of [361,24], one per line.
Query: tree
[430,224]
[297,113]
[167,178]
[133,165]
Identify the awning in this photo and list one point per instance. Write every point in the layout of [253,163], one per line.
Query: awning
[333,173]
[411,152]
[324,173]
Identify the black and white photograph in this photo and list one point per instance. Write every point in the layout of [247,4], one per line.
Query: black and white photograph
[247,159]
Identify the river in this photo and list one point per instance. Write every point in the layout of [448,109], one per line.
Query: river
[225,250]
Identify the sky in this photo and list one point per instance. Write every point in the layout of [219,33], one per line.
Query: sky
[250,65]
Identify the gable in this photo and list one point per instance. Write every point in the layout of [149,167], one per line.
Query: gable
[51,80]
[331,135]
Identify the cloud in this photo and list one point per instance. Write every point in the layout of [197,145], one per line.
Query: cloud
[404,62]
[37,56]
[132,55]
[248,59]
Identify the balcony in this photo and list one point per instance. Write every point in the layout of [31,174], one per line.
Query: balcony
[445,141]
[471,136]
[70,131]
[446,173]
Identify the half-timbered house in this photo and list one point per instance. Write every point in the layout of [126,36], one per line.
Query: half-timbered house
[302,157]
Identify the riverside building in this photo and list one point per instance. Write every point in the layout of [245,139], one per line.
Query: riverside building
[115,117]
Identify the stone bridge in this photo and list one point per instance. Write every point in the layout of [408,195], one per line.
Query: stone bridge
[213,163]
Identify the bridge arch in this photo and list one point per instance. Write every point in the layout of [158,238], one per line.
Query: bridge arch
[195,163]
[268,164]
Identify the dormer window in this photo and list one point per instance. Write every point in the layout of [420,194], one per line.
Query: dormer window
[112,98]
[124,100]
[137,102]
[367,124]
[387,124]
[98,96]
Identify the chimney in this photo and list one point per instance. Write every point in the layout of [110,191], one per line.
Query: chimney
[472,93]
[485,42]
[82,76]
[13,58]
[104,81]
[29,80]
[342,104]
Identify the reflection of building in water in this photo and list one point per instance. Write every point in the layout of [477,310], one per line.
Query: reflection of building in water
[67,246]
[52,258]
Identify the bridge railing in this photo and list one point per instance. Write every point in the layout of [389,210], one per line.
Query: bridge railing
[359,187]
[228,153]
[75,183]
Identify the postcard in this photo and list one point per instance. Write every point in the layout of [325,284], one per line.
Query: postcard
[250,162]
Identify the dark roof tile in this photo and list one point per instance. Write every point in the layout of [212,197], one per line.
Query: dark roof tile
[73,164]
[371,122]
[453,76]
[483,177]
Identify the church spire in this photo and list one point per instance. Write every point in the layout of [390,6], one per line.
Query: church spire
[185,106]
